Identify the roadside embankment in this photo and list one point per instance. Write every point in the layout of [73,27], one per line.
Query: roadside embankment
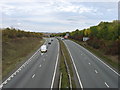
[16,51]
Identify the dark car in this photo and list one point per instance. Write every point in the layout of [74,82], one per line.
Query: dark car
[52,40]
[49,42]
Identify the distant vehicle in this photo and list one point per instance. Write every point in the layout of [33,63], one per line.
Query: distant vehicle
[49,42]
[85,38]
[43,48]
[51,39]
[65,37]
[62,38]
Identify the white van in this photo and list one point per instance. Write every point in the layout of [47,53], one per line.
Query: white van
[43,48]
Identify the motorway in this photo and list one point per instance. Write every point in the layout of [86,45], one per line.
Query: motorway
[91,71]
[38,71]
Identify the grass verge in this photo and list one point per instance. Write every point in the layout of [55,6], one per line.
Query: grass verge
[63,69]
[99,54]
[15,51]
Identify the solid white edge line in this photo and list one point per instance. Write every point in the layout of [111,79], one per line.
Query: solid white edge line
[55,68]
[107,85]
[12,75]
[97,58]
[1,86]
[75,67]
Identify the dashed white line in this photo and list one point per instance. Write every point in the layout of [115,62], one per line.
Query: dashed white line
[96,71]
[89,63]
[98,59]
[18,70]
[44,59]
[33,75]
[107,85]
[39,65]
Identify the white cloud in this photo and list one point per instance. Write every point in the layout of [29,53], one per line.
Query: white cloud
[65,6]
[18,23]
[49,14]
[37,8]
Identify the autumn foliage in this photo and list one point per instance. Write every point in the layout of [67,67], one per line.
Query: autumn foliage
[104,37]
[12,33]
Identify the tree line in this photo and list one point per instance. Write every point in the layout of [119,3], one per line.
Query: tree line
[13,33]
[105,36]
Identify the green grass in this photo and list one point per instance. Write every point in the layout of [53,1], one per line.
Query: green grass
[63,69]
[100,54]
[15,51]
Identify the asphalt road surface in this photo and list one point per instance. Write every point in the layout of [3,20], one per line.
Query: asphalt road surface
[91,71]
[38,72]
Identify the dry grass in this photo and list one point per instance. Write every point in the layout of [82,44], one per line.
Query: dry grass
[16,50]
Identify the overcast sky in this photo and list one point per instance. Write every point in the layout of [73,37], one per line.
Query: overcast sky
[56,15]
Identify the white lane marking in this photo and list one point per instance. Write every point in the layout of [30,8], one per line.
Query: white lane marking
[55,67]
[5,82]
[107,85]
[23,65]
[97,58]
[60,81]
[96,71]
[39,65]
[74,67]
[33,75]
[15,73]
[9,78]
[18,70]
[89,63]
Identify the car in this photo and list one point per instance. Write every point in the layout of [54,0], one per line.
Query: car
[43,48]
[62,38]
[49,42]
[51,39]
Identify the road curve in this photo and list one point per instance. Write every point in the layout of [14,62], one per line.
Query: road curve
[38,72]
[92,72]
